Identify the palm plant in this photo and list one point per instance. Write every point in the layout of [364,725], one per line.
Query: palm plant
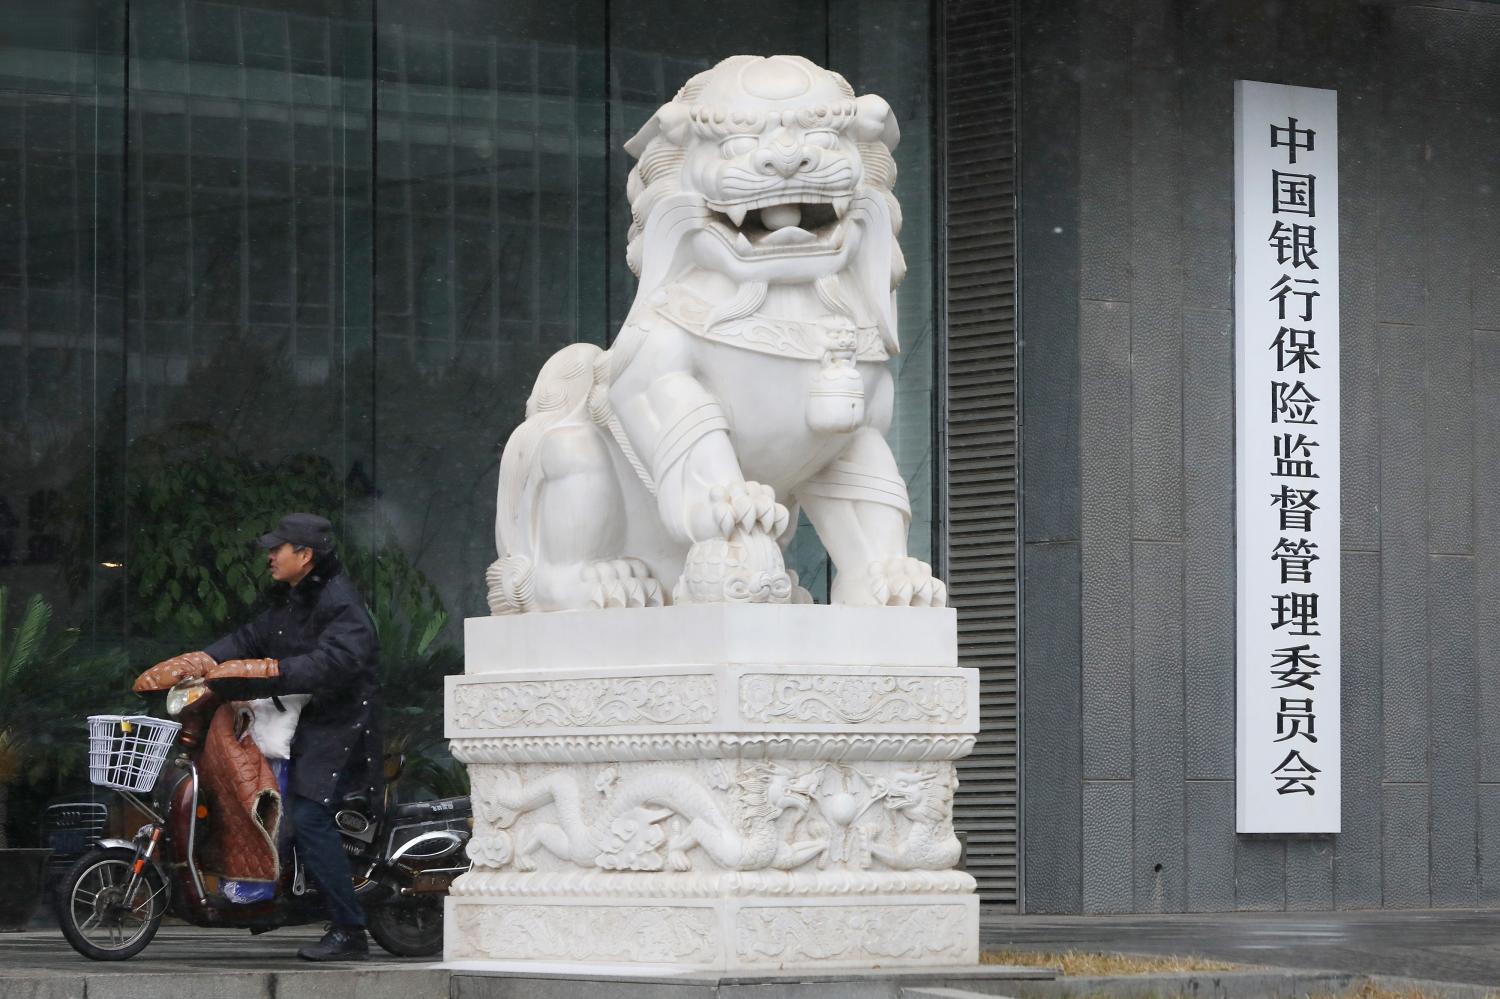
[413,663]
[42,685]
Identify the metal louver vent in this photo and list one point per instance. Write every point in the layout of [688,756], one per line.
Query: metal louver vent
[980,174]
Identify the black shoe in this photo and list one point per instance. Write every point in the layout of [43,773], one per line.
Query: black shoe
[338,944]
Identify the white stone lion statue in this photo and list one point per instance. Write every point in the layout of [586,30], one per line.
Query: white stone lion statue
[748,382]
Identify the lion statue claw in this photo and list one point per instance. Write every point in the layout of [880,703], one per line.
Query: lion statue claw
[749,382]
[741,507]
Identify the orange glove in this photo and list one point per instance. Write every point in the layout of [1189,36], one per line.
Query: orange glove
[235,679]
[167,674]
[244,669]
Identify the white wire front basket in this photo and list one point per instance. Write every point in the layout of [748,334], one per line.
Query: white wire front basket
[126,752]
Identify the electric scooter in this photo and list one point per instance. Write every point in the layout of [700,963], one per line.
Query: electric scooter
[110,904]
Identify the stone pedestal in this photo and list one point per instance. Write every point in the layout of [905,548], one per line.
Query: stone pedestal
[714,787]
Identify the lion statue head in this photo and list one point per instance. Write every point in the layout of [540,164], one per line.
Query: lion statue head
[770,171]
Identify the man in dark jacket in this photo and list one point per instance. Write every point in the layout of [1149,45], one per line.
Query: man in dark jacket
[316,638]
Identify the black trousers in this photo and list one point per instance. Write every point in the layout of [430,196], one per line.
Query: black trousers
[320,848]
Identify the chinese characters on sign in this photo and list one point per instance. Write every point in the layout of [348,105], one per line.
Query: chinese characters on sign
[1287,458]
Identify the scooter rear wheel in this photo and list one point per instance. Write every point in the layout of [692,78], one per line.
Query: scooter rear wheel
[97,918]
[408,927]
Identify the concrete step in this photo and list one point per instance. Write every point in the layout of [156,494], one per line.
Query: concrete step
[471,980]
[365,983]
[190,963]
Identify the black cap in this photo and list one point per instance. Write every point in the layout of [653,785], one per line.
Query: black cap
[305,530]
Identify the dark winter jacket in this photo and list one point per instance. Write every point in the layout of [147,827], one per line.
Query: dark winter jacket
[322,635]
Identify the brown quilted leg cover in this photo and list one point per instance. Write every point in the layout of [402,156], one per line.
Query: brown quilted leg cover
[244,804]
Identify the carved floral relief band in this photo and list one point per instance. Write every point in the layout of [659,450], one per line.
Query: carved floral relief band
[878,931]
[594,702]
[738,699]
[832,933]
[647,933]
[856,700]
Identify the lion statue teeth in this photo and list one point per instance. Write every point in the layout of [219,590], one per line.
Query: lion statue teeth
[749,381]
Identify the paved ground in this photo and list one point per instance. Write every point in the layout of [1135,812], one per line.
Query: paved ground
[1442,946]
[178,949]
[189,963]
[1452,946]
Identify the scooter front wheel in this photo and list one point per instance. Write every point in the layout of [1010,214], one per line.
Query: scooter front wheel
[96,916]
[409,927]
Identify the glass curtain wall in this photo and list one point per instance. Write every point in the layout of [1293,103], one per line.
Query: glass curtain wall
[310,254]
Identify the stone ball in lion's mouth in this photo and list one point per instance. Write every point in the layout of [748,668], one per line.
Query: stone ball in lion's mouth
[780,216]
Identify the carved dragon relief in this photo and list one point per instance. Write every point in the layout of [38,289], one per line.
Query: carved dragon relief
[749,380]
[670,817]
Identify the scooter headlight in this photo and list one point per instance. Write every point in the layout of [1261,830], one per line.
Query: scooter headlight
[184,694]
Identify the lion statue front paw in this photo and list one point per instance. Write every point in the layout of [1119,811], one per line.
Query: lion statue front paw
[516,585]
[621,582]
[894,582]
[739,506]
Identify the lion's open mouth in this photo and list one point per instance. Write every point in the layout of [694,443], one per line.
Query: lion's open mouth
[782,223]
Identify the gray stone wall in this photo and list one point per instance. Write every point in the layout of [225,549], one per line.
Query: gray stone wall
[1126,264]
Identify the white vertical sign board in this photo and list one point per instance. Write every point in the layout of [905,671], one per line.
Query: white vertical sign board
[1286,303]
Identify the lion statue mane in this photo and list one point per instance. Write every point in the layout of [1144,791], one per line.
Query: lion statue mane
[749,380]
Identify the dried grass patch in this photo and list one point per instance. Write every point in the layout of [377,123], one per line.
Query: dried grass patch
[1080,963]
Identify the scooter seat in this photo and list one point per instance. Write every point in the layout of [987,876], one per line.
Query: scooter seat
[357,802]
[426,811]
